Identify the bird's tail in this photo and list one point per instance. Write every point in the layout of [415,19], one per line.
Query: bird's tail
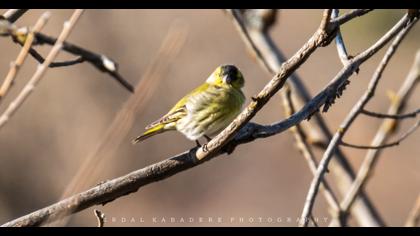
[149,133]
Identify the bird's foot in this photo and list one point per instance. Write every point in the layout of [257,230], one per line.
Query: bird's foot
[197,143]
[204,146]
[208,138]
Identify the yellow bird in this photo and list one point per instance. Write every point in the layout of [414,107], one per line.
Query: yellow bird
[206,110]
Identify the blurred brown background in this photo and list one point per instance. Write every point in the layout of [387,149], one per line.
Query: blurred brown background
[45,142]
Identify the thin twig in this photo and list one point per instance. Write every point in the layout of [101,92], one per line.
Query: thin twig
[99,61]
[35,54]
[322,167]
[15,66]
[413,218]
[13,15]
[386,128]
[388,116]
[253,27]
[341,47]
[100,217]
[392,144]
[349,16]
[41,69]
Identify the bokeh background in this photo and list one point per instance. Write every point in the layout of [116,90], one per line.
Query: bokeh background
[45,143]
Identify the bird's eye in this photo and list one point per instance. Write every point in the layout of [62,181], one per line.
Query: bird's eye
[231,78]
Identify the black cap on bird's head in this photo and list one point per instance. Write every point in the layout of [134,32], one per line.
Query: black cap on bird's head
[232,76]
[229,70]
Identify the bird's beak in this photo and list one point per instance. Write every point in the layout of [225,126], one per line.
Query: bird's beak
[227,79]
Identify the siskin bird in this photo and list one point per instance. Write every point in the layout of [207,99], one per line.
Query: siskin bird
[206,110]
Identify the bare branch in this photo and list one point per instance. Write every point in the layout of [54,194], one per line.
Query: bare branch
[99,61]
[30,86]
[15,66]
[313,189]
[349,16]
[387,116]
[395,143]
[325,22]
[13,15]
[341,48]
